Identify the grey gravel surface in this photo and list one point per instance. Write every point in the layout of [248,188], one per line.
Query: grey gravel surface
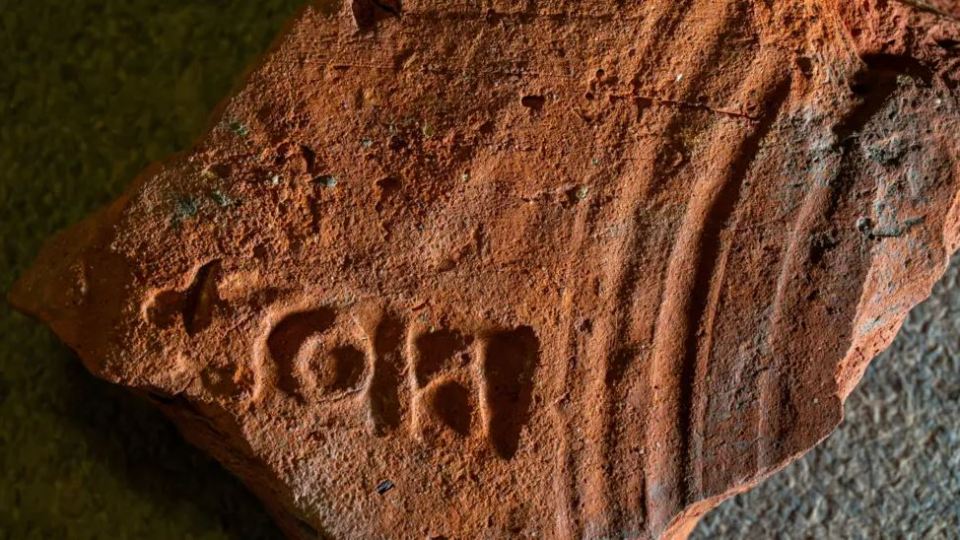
[892,469]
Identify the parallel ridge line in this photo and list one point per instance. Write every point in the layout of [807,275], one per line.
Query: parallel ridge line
[619,455]
[679,356]
[568,486]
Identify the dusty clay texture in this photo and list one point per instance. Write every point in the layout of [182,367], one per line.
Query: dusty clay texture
[528,269]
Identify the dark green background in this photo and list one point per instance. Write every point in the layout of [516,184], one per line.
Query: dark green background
[91,91]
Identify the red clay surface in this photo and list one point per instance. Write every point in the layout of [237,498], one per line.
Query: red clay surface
[529,269]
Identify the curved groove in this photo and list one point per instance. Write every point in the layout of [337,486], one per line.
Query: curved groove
[580,509]
[709,281]
[876,84]
[677,341]
[287,338]
[625,504]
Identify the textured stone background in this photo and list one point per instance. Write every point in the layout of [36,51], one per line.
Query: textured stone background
[892,470]
[91,91]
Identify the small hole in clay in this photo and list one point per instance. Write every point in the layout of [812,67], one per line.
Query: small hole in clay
[534,103]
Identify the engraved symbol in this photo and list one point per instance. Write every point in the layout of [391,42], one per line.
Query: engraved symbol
[313,358]
[509,361]
[193,306]
[441,385]
[499,368]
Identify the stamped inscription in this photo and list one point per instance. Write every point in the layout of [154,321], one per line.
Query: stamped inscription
[434,384]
